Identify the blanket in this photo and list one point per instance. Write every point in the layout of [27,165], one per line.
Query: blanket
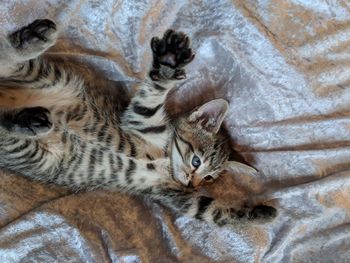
[284,67]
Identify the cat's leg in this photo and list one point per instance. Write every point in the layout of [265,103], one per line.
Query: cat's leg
[33,146]
[22,147]
[21,64]
[210,210]
[25,76]
[19,51]
[145,116]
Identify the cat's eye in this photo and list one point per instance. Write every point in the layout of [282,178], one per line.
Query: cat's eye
[208,178]
[196,162]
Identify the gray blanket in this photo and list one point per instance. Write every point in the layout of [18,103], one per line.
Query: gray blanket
[284,66]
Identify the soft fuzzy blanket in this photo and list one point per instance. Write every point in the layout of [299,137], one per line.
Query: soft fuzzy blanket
[284,65]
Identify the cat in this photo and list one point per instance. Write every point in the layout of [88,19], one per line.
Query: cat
[55,127]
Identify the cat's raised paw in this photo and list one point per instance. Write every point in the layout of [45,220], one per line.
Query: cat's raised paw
[172,51]
[35,37]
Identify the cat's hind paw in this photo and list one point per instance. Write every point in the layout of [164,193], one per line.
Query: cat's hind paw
[172,51]
[33,39]
[262,212]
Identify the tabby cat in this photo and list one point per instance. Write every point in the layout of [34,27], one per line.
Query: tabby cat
[55,128]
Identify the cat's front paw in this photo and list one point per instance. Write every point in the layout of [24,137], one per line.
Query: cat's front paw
[173,52]
[28,121]
[35,37]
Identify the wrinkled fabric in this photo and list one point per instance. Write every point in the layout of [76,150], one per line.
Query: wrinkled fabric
[284,66]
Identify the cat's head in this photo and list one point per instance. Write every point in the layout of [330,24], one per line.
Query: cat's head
[199,151]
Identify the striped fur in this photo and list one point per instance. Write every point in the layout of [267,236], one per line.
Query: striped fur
[54,127]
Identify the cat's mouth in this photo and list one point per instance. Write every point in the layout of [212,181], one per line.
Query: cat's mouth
[188,180]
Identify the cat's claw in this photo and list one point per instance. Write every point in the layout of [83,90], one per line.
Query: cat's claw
[172,51]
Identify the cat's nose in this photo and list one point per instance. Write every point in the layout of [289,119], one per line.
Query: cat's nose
[196,180]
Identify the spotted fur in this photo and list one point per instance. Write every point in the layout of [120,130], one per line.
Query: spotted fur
[55,127]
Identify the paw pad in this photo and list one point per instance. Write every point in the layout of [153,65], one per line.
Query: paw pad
[32,120]
[38,31]
[173,51]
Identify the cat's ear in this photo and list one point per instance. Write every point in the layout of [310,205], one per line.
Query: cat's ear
[240,168]
[210,115]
